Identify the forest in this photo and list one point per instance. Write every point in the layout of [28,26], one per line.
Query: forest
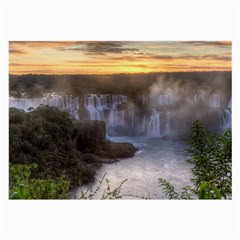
[35,85]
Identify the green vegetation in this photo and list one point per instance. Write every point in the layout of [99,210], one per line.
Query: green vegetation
[22,186]
[107,193]
[211,158]
[208,191]
[103,193]
[63,150]
[44,137]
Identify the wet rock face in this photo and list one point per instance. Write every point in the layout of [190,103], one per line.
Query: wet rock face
[115,150]
[90,139]
[88,135]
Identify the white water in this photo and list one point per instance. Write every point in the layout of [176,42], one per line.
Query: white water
[214,101]
[154,125]
[118,111]
[155,159]
[226,116]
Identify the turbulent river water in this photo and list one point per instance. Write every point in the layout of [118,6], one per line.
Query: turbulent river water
[156,158]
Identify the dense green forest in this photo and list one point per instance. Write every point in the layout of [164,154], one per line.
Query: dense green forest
[48,148]
[50,154]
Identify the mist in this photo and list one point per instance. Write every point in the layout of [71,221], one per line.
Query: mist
[159,105]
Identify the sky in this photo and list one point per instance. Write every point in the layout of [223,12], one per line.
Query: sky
[110,57]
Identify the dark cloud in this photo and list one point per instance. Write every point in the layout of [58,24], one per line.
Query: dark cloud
[16,51]
[101,48]
[170,58]
[187,57]
[209,43]
[209,67]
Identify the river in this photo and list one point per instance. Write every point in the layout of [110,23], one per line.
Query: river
[156,158]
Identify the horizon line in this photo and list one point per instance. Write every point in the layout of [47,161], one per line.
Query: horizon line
[120,73]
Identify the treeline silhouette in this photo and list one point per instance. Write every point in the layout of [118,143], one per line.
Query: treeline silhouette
[34,85]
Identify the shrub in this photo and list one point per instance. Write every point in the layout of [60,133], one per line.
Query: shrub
[22,186]
[211,160]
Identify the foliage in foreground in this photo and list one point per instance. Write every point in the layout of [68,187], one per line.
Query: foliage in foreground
[106,193]
[205,191]
[211,158]
[22,186]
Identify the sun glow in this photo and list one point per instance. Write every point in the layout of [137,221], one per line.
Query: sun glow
[117,57]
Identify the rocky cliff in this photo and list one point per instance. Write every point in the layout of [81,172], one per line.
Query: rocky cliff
[90,138]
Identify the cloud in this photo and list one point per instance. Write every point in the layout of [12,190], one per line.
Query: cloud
[101,48]
[215,57]
[209,43]
[117,56]
[16,51]
[42,44]
[33,65]
[210,67]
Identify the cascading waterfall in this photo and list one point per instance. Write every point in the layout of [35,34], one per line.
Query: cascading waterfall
[168,122]
[66,103]
[105,108]
[199,97]
[120,114]
[132,119]
[214,100]
[226,117]
[143,128]
[165,99]
[26,104]
[157,100]
[153,129]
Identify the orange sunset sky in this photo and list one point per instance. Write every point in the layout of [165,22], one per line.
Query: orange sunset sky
[109,57]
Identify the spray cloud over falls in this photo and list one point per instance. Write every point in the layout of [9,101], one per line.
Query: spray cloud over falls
[160,105]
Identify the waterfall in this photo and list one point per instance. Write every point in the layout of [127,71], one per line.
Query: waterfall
[153,129]
[214,101]
[98,106]
[168,119]
[143,99]
[199,97]
[116,118]
[143,128]
[162,100]
[126,117]
[132,120]
[26,104]
[226,116]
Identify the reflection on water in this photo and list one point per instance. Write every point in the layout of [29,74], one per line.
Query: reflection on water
[155,158]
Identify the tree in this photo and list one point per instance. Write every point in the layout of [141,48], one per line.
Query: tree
[44,137]
[211,158]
